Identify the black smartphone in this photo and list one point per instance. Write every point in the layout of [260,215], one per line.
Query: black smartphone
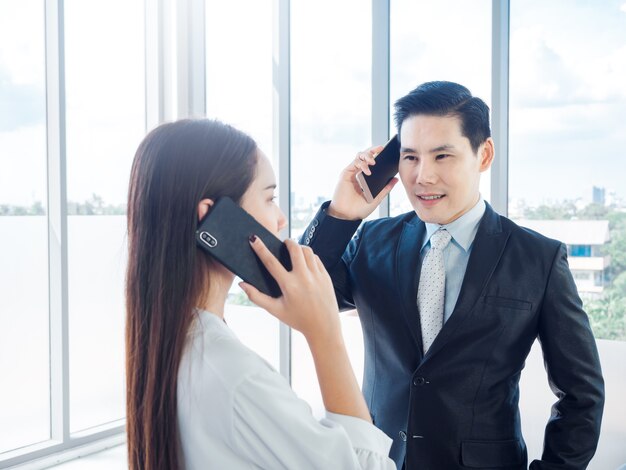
[224,233]
[386,168]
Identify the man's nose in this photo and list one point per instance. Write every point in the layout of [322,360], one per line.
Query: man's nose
[426,173]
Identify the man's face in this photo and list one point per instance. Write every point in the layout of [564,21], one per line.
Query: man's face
[438,168]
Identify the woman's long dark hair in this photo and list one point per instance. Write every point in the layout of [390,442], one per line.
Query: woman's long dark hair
[175,167]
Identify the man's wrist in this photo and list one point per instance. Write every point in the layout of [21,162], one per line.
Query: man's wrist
[333,212]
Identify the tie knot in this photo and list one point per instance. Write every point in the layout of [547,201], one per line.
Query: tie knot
[440,239]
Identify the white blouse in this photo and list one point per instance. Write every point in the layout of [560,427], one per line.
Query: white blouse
[236,412]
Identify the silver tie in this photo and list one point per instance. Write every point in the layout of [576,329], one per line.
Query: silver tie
[431,289]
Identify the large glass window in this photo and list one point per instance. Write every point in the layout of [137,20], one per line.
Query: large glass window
[331,111]
[24,338]
[567,109]
[239,67]
[567,106]
[105,122]
[239,91]
[429,43]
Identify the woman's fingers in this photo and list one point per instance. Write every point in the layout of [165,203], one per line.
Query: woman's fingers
[320,265]
[308,301]
[309,257]
[268,259]
[296,255]
[259,298]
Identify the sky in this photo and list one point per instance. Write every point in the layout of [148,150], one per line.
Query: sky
[105,114]
[567,97]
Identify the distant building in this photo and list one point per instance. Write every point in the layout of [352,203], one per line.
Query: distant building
[584,240]
[599,196]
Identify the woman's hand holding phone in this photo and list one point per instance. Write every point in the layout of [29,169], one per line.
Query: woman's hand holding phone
[308,301]
[348,202]
[308,305]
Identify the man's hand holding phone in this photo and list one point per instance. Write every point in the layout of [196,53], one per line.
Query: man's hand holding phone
[348,201]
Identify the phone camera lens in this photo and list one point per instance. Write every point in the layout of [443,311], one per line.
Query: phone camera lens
[208,239]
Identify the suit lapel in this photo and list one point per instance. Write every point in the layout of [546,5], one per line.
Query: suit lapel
[408,266]
[486,252]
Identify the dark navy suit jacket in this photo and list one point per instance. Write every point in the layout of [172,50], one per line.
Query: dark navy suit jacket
[457,406]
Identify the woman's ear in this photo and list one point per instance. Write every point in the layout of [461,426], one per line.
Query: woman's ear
[203,207]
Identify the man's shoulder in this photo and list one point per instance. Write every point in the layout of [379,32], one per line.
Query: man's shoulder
[526,235]
[390,225]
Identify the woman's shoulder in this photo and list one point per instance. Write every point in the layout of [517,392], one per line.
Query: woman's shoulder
[218,376]
[215,358]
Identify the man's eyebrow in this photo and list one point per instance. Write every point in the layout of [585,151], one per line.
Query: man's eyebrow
[442,148]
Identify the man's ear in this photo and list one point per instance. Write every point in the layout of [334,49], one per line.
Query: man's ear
[487,154]
[203,207]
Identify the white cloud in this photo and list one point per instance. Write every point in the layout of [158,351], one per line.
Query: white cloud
[623,7]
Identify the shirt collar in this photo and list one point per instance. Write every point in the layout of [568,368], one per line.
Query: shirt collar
[463,230]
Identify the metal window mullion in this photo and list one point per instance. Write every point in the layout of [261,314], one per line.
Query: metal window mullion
[500,104]
[380,80]
[154,87]
[48,453]
[281,130]
[191,58]
[57,222]
[161,70]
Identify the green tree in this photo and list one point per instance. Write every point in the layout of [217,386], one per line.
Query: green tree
[594,212]
[617,220]
[607,315]
[240,298]
[97,203]
[616,249]
[563,211]
[37,208]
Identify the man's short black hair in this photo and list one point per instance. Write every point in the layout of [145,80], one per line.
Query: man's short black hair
[447,99]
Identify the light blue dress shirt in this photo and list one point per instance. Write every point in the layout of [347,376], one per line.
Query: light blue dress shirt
[456,254]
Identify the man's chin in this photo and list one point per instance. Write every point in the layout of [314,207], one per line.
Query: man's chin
[427,218]
[430,218]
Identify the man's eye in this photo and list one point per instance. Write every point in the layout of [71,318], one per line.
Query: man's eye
[410,158]
[442,156]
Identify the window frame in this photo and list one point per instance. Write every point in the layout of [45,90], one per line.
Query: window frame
[176,88]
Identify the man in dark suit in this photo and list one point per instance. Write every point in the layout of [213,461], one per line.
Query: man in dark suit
[452,296]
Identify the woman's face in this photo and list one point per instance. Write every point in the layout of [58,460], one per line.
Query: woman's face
[258,200]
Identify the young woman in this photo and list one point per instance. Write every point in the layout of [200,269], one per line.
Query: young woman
[197,397]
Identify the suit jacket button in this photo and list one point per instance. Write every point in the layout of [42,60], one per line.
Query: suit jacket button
[315,223]
[402,435]
[418,381]
[307,240]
